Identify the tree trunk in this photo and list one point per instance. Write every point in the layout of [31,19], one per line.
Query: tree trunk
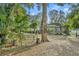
[44,24]
[76,33]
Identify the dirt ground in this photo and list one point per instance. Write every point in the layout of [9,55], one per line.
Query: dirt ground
[58,46]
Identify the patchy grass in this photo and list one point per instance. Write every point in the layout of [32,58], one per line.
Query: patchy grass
[59,45]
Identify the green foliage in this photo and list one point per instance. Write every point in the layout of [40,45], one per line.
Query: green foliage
[73,18]
[13,21]
[34,24]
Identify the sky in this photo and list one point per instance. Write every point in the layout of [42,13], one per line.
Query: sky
[51,6]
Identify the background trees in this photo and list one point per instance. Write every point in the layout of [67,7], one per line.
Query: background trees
[14,19]
[58,19]
[73,17]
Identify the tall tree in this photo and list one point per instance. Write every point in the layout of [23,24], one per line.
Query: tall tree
[44,23]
